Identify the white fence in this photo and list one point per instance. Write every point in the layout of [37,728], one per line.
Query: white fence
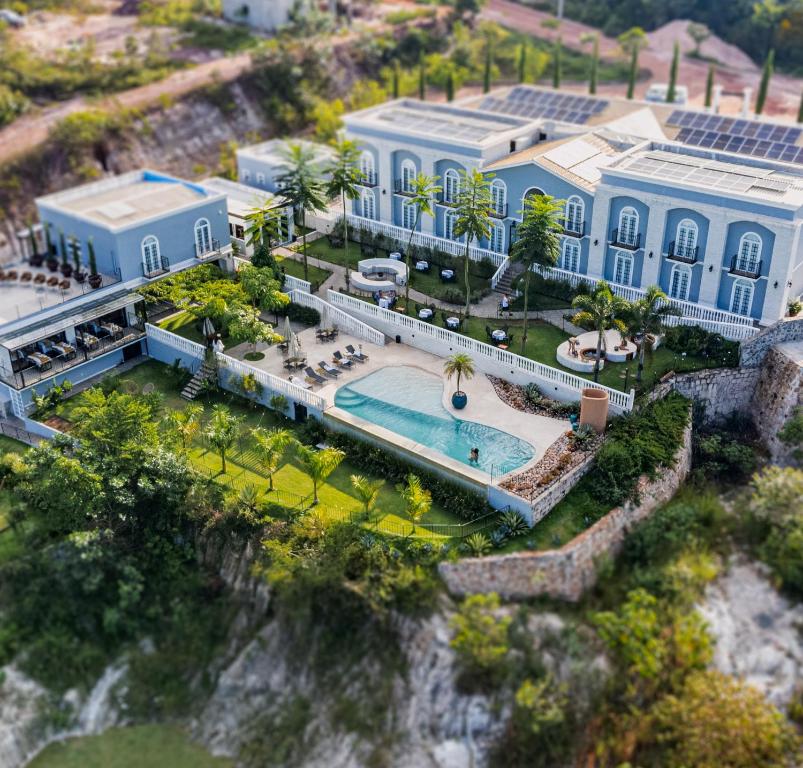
[179,343]
[344,321]
[500,271]
[296,284]
[497,362]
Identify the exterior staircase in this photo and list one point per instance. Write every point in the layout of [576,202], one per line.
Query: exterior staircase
[505,284]
[205,373]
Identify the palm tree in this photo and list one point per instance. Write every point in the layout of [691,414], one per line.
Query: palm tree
[473,208]
[647,316]
[537,242]
[417,500]
[319,464]
[461,365]
[367,492]
[344,180]
[422,192]
[601,310]
[221,431]
[187,423]
[263,226]
[271,446]
[302,187]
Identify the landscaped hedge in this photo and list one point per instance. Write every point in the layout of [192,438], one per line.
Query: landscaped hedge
[694,340]
[306,315]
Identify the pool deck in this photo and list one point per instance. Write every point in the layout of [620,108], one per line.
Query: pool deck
[484,405]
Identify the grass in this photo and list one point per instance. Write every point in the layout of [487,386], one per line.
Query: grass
[143,746]
[316,275]
[10,544]
[183,324]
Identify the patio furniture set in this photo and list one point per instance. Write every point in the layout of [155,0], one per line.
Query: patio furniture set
[36,279]
[500,337]
[327,372]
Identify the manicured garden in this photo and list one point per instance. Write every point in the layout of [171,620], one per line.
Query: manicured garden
[316,275]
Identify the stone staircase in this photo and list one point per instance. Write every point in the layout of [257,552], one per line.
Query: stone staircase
[205,373]
[505,284]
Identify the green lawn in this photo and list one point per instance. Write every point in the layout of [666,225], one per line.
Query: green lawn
[316,275]
[183,324]
[143,746]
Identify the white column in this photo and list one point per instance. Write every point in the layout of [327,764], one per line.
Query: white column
[599,232]
[69,334]
[783,254]
[653,243]
[714,258]
[385,188]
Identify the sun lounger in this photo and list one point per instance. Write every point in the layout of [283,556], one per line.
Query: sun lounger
[358,356]
[342,361]
[297,382]
[326,368]
[314,376]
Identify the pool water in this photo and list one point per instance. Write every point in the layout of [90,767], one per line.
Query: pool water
[408,401]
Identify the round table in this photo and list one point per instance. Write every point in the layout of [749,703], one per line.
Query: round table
[453,322]
[396,256]
[422,266]
[425,314]
[447,274]
[498,335]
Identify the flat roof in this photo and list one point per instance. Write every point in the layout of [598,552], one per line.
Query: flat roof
[274,149]
[241,198]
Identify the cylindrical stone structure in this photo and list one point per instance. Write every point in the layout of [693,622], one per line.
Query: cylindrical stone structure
[594,408]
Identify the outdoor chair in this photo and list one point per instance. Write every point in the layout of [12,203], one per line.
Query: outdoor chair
[52,282]
[26,277]
[314,377]
[358,356]
[64,285]
[39,279]
[342,361]
[326,368]
[12,274]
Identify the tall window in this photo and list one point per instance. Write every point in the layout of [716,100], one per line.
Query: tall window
[749,253]
[368,204]
[570,258]
[498,196]
[742,297]
[409,213]
[203,237]
[574,215]
[496,239]
[407,175]
[367,168]
[686,238]
[151,261]
[451,186]
[245,175]
[261,179]
[628,226]
[679,282]
[623,271]
[449,222]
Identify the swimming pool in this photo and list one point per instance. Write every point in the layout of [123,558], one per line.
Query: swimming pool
[408,401]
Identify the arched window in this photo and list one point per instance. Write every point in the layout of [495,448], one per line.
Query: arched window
[245,175]
[367,168]
[407,175]
[749,256]
[679,282]
[574,215]
[628,226]
[261,179]
[451,186]
[686,239]
[151,258]
[368,204]
[449,221]
[570,258]
[532,192]
[203,237]
[742,297]
[409,213]
[623,268]
[496,238]
[499,197]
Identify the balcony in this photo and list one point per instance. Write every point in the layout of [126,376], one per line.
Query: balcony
[369,179]
[215,252]
[498,211]
[574,228]
[753,271]
[162,268]
[632,244]
[683,253]
[400,189]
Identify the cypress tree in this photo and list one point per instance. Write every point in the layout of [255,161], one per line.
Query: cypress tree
[764,87]
[592,80]
[396,78]
[800,110]
[709,86]
[631,82]
[422,79]
[450,86]
[523,62]
[557,64]
[486,80]
[671,91]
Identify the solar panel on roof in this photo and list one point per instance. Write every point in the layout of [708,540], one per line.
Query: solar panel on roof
[531,103]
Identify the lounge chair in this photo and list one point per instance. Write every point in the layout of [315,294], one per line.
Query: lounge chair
[326,368]
[354,355]
[314,377]
[342,361]
[297,382]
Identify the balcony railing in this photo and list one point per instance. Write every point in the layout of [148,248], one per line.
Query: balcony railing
[752,271]
[215,252]
[25,377]
[683,253]
[369,179]
[574,228]
[444,200]
[400,188]
[630,244]
[499,211]
[163,267]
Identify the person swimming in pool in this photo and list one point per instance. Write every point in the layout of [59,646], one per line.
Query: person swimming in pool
[474,456]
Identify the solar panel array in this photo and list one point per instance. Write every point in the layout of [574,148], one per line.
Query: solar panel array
[443,124]
[733,134]
[553,105]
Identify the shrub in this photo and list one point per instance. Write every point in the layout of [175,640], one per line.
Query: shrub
[301,314]
[694,340]
[478,544]
[795,307]
[480,639]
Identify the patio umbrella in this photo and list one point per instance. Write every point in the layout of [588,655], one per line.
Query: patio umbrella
[208,328]
[293,349]
[286,330]
[325,316]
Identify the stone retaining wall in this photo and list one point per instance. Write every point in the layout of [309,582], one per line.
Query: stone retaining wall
[552,494]
[753,351]
[567,572]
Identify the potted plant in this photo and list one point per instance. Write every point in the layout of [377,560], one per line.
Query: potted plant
[37,259]
[66,267]
[95,280]
[77,272]
[461,365]
[52,257]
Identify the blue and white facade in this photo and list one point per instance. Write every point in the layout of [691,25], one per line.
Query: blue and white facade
[719,232]
[262,165]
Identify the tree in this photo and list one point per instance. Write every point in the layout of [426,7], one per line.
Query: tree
[459,364]
[699,33]
[262,287]
[488,67]
[709,86]
[422,78]
[263,226]
[473,221]
[246,327]
[522,64]
[417,499]
[319,464]
[367,492]
[422,193]
[764,85]
[302,187]
[673,75]
[537,242]
[556,63]
[631,42]
[648,316]
[344,180]
[593,38]
[187,423]
[800,110]
[480,636]
[450,85]
[271,445]
[601,310]
[222,430]
[395,79]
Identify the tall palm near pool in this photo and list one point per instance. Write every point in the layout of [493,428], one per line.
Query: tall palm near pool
[648,315]
[302,187]
[473,210]
[271,446]
[367,492]
[417,499]
[422,192]
[602,310]
[344,180]
[319,464]
[537,242]
[460,365]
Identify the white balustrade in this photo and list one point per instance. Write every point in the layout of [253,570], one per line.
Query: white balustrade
[343,320]
[296,284]
[175,341]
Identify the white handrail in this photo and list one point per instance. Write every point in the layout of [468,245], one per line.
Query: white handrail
[296,284]
[622,401]
[500,272]
[343,320]
[175,341]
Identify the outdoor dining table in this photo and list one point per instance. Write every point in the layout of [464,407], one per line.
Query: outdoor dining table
[396,256]
[39,360]
[453,322]
[422,266]
[384,302]
[293,363]
[498,335]
[425,313]
[447,274]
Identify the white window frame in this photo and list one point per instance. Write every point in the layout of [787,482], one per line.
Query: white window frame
[621,257]
[261,178]
[496,237]
[680,271]
[686,238]
[498,195]
[747,286]
[575,212]
[151,254]
[245,175]
[451,185]
[749,262]
[570,263]
[628,214]
[367,166]
[408,173]
[409,214]
[449,221]
[204,245]
[368,204]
